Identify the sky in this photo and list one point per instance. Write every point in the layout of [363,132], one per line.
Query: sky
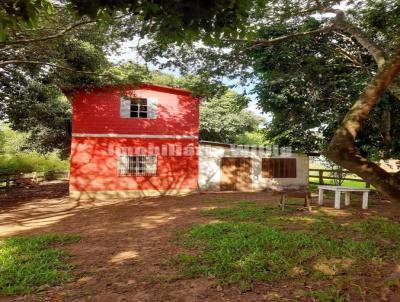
[127,53]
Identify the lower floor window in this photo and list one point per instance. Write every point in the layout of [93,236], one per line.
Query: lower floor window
[137,165]
[279,167]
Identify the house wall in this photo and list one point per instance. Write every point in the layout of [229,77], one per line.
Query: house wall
[98,111]
[99,133]
[210,169]
[94,170]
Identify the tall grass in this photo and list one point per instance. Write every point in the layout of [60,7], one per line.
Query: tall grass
[18,156]
[27,162]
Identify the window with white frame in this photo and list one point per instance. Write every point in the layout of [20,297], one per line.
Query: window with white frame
[139,108]
[137,165]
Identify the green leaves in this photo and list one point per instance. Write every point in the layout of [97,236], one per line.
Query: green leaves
[222,118]
[16,15]
[177,21]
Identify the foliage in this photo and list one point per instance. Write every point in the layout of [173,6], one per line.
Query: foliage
[306,82]
[46,117]
[309,96]
[31,87]
[256,138]
[134,74]
[27,263]
[27,162]
[223,118]
[338,172]
[173,20]
[166,21]
[260,243]
[12,141]
[17,154]
[15,15]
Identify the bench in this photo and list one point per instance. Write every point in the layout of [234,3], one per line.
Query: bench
[284,194]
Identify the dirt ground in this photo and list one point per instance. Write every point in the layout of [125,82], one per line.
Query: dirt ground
[125,246]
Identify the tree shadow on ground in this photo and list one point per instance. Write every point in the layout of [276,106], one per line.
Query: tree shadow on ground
[127,243]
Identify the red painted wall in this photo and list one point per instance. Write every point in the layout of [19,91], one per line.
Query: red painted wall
[94,167]
[93,163]
[98,111]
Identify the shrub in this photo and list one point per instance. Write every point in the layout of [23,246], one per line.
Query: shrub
[27,162]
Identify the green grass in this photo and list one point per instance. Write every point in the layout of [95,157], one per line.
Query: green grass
[27,162]
[27,263]
[348,183]
[260,243]
[329,294]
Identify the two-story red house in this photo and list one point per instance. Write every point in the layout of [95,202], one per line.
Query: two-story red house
[131,142]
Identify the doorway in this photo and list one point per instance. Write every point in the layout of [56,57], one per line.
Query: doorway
[235,174]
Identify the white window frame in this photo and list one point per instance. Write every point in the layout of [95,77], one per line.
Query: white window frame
[137,165]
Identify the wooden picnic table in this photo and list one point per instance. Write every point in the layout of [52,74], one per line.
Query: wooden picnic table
[346,190]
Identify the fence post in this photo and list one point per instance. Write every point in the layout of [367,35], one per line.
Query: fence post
[321,177]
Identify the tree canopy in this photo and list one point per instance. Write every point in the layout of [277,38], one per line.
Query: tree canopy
[327,75]
[356,52]
[223,119]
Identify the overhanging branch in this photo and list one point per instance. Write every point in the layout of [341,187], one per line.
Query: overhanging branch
[50,37]
[19,62]
[282,38]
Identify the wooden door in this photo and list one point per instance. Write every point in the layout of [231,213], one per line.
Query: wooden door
[228,174]
[235,174]
[243,174]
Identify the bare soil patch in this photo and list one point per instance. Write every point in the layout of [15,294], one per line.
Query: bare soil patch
[126,244]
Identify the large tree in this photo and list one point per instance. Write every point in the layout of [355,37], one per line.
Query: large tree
[223,118]
[372,24]
[365,33]
[315,91]
[45,46]
[36,63]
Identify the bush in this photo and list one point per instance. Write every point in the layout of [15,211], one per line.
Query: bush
[27,162]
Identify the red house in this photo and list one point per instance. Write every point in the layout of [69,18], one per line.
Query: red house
[130,142]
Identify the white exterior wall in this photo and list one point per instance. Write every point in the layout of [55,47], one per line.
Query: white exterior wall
[210,168]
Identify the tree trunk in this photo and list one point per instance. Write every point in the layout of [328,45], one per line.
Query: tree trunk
[377,53]
[342,149]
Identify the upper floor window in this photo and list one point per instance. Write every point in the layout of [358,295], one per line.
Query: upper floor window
[135,107]
[138,108]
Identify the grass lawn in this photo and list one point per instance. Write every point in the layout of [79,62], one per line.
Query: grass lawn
[27,263]
[348,183]
[250,243]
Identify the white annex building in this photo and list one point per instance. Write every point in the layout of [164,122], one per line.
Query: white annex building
[226,167]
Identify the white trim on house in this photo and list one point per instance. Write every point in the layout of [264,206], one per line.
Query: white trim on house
[133,135]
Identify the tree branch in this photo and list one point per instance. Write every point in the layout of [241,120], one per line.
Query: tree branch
[50,37]
[342,148]
[282,38]
[348,56]
[17,62]
[374,49]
